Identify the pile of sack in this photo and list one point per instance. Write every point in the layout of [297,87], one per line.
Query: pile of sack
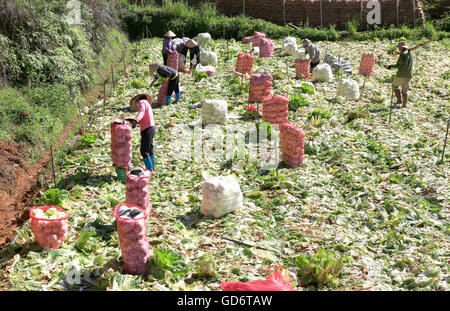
[275,109]
[132,238]
[172,60]
[49,233]
[208,58]
[292,144]
[302,68]
[244,63]
[322,73]
[257,36]
[367,63]
[265,48]
[138,193]
[121,147]
[337,63]
[214,111]
[348,88]
[260,86]
[221,195]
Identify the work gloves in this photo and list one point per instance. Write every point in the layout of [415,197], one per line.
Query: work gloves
[133,122]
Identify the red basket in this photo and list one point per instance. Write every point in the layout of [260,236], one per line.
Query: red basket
[45,208]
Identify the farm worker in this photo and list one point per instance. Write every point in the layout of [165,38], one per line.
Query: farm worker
[194,51]
[404,73]
[167,45]
[168,74]
[313,52]
[143,104]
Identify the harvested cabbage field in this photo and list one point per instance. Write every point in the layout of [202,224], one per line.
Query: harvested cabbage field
[367,210]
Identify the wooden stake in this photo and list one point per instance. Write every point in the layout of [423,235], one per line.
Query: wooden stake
[104,94]
[53,165]
[445,141]
[112,75]
[390,110]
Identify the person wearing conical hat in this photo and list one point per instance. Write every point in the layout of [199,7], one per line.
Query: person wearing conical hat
[313,52]
[167,45]
[193,48]
[404,67]
[170,74]
[143,104]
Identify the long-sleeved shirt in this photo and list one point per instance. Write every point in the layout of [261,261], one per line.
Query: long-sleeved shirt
[181,48]
[166,72]
[145,116]
[167,45]
[314,53]
[404,64]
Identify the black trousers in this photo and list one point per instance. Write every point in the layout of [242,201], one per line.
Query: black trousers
[165,56]
[147,142]
[313,65]
[174,85]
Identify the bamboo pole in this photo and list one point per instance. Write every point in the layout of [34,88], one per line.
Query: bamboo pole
[445,141]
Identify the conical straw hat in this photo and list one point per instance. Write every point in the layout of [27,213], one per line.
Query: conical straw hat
[170,34]
[133,103]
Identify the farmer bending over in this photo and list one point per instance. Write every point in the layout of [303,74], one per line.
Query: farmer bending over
[168,74]
[143,104]
[194,51]
[167,45]
[404,73]
[313,52]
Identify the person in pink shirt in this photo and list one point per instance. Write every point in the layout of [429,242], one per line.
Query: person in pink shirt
[143,104]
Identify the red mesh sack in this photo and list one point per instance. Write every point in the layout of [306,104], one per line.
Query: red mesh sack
[257,36]
[121,148]
[292,144]
[244,63]
[274,282]
[302,67]
[260,86]
[266,48]
[162,95]
[247,39]
[138,190]
[367,63]
[49,233]
[275,109]
[133,241]
[172,60]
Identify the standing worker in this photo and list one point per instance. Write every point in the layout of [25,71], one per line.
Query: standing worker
[168,74]
[404,73]
[167,45]
[143,104]
[194,51]
[313,52]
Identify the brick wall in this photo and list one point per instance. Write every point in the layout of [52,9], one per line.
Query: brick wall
[337,12]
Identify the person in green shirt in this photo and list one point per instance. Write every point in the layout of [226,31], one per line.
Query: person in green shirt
[404,73]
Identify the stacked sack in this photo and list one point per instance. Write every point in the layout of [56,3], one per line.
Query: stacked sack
[162,95]
[244,63]
[348,88]
[214,111]
[172,60]
[292,144]
[121,143]
[132,239]
[367,64]
[208,58]
[302,68]
[221,195]
[322,73]
[247,39]
[257,36]
[289,45]
[266,48]
[260,86]
[49,233]
[138,181]
[275,109]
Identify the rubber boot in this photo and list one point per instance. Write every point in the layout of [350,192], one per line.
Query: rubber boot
[177,97]
[405,99]
[168,99]
[148,164]
[399,97]
[153,161]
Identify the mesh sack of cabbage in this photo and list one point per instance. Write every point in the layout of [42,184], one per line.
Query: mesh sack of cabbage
[209,70]
[131,228]
[292,144]
[214,111]
[266,48]
[302,68]
[275,109]
[221,195]
[257,36]
[244,63]
[181,62]
[172,60]
[322,73]
[247,39]
[138,193]
[274,282]
[289,45]
[121,147]
[348,88]
[208,58]
[367,63]
[49,226]
[162,95]
[260,86]
[203,38]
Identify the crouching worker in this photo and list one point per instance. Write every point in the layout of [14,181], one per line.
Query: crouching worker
[194,51]
[143,104]
[313,52]
[404,73]
[169,74]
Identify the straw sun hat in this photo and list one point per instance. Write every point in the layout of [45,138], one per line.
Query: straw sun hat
[402,44]
[191,44]
[170,34]
[133,103]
